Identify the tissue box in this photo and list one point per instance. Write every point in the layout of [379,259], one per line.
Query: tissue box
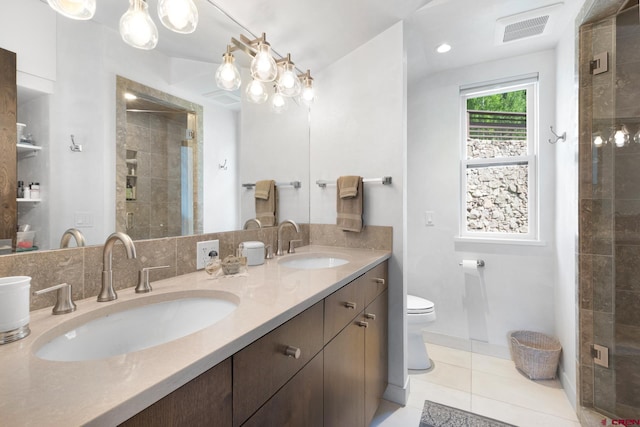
[25,239]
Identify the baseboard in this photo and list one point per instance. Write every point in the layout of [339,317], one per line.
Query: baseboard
[395,394]
[569,388]
[467,345]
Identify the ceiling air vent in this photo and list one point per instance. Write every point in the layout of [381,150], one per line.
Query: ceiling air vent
[524,25]
[224,98]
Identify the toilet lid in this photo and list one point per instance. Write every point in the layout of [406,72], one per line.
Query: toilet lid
[417,305]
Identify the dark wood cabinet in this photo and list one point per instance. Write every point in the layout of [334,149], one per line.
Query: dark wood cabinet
[355,360]
[375,355]
[203,401]
[298,403]
[325,367]
[261,368]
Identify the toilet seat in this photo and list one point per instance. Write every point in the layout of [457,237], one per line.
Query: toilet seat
[417,305]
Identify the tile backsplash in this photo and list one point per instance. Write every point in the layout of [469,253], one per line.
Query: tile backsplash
[82,267]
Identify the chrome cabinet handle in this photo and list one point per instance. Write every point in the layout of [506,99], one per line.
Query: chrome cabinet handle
[379,280]
[362,324]
[370,316]
[293,352]
[64,302]
[351,305]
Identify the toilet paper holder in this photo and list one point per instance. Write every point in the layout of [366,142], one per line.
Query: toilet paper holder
[480,263]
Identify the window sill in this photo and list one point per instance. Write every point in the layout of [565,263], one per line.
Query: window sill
[497,241]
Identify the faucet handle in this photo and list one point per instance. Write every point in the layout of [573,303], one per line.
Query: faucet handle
[269,251]
[143,279]
[292,245]
[64,302]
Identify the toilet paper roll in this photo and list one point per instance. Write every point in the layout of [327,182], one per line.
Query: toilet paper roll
[470,266]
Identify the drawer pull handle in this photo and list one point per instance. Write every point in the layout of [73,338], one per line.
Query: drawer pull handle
[351,305]
[379,280]
[363,324]
[370,316]
[293,352]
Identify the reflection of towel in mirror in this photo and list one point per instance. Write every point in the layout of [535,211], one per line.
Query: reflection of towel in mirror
[266,194]
[350,208]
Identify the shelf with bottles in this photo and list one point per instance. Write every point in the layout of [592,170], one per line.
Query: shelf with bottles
[130,191]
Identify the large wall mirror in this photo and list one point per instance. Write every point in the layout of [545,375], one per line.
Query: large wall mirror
[72,76]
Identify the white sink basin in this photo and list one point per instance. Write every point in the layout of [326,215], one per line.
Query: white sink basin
[137,328]
[313,261]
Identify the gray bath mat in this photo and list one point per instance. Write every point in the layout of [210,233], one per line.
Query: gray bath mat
[437,415]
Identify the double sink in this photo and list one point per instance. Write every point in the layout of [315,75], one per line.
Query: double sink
[146,322]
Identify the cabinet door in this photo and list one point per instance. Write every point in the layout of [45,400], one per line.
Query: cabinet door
[374,282]
[8,116]
[203,401]
[262,367]
[344,378]
[341,307]
[298,403]
[375,354]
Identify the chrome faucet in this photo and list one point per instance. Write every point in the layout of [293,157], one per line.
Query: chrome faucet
[280,227]
[107,293]
[249,221]
[76,234]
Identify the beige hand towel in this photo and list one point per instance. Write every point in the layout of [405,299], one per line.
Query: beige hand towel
[350,209]
[263,189]
[267,208]
[348,186]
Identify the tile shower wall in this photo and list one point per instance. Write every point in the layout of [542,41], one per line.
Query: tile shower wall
[609,295]
[82,267]
[154,140]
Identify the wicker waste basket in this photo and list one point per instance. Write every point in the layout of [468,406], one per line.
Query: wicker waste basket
[535,354]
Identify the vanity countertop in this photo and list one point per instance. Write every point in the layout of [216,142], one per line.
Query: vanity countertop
[109,391]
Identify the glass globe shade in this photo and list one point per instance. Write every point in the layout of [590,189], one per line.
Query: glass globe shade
[598,141]
[278,103]
[180,16]
[136,27]
[263,66]
[74,9]
[256,92]
[620,138]
[227,74]
[288,82]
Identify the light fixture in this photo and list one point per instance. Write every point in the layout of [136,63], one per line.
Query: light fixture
[256,92]
[636,137]
[308,94]
[443,48]
[264,68]
[180,16]
[129,96]
[136,27]
[621,137]
[74,9]
[227,74]
[598,141]
[278,102]
[288,81]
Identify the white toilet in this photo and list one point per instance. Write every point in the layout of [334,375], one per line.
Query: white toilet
[419,312]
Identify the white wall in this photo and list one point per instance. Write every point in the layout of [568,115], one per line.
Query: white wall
[566,211]
[516,290]
[358,128]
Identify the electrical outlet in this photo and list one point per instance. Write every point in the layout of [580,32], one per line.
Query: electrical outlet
[202,252]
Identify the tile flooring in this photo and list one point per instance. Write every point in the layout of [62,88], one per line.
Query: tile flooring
[484,385]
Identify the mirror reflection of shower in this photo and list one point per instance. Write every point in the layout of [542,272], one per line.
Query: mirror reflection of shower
[161,168]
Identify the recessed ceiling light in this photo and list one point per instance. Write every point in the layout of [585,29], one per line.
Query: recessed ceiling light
[443,48]
[130,96]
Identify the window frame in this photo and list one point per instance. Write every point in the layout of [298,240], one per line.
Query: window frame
[531,85]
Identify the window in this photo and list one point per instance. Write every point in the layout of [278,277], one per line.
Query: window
[498,167]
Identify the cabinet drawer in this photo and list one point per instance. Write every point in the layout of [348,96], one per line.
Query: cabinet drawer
[374,282]
[262,367]
[341,307]
[298,403]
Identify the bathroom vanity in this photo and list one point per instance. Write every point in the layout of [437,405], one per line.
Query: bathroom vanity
[305,346]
